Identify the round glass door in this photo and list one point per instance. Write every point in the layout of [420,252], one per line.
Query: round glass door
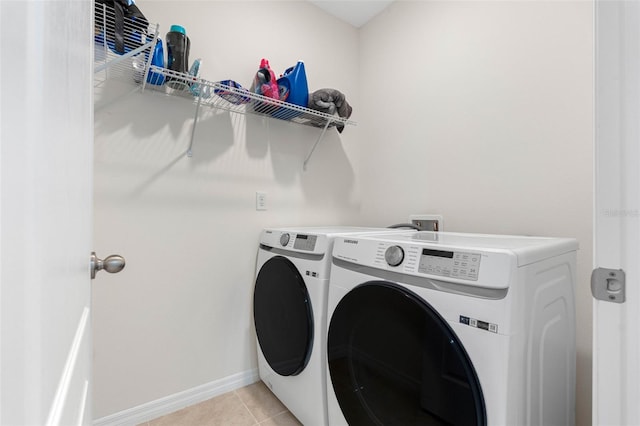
[283,316]
[393,360]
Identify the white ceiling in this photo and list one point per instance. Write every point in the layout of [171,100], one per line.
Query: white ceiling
[355,12]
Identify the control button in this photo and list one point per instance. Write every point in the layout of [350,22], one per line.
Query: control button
[394,255]
[284,239]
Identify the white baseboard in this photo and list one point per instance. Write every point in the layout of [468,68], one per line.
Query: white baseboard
[169,404]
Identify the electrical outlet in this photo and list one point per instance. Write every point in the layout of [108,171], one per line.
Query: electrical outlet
[261,200]
[427,222]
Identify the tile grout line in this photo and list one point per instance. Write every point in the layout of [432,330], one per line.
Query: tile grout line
[246,407]
[286,410]
[274,416]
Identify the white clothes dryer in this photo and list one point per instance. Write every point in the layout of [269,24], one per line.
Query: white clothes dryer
[445,328]
[290,305]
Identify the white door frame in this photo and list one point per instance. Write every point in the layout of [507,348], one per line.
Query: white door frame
[616,372]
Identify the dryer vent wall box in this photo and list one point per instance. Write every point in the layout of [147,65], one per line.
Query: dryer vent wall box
[498,309]
[427,222]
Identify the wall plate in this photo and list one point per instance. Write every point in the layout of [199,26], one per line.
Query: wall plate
[427,222]
[261,200]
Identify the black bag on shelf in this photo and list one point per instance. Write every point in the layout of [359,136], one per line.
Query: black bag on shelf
[126,26]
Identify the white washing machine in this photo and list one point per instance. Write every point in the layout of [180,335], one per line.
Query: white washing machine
[289,306]
[446,328]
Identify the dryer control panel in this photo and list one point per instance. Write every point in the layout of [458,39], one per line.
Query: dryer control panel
[296,241]
[464,265]
[487,268]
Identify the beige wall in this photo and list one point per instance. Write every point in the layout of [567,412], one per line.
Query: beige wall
[482,111]
[179,315]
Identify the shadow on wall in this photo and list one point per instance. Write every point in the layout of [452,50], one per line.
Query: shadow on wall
[146,136]
[214,135]
[144,114]
[329,174]
[151,128]
[329,179]
[285,143]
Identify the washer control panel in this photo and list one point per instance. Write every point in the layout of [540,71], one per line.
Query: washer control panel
[490,267]
[463,265]
[305,242]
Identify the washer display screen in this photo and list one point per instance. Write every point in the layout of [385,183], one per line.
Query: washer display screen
[437,253]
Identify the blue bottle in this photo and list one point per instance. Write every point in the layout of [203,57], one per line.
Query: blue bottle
[157,59]
[293,85]
[293,88]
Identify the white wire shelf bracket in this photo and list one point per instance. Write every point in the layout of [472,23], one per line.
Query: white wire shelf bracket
[125,60]
[239,100]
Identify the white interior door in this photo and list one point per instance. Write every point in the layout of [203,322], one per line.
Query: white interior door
[616,351]
[46,168]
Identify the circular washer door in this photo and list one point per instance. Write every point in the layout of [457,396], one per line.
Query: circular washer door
[283,316]
[394,360]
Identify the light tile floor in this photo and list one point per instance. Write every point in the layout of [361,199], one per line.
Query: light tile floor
[247,406]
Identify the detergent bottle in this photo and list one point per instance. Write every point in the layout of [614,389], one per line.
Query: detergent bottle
[292,85]
[264,83]
[157,59]
[293,88]
[178,45]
